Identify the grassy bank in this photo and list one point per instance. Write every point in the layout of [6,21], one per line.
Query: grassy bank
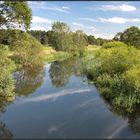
[115,70]
[90,52]
[49,54]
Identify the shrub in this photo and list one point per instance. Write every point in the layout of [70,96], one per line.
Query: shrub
[26,50]
[6,67]
[116,73]
[117,60]
[114,44]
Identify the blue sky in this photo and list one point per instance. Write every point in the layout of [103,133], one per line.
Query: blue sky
[101,19]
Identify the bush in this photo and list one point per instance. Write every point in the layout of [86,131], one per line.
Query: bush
[117,60]
[26,50]
[116,73]
[6,67]
[114,44]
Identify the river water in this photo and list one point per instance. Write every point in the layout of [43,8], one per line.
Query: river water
[57,101]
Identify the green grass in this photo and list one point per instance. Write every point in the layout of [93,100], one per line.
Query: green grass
[57,56]
[93,47]
[49,54]
[91,50]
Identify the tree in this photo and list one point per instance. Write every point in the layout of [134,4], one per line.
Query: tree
[15,14]
[41,36]
[60,27]
[91,40]
[51,37]
[26,49]
[79,41]
[130,36]
[117,37]
[61,36]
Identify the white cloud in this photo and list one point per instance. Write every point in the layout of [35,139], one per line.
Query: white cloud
[90,30]
[82,26]
[44,6]
[109,36]
[88,19]
[63,9]
[119,20]
[87,29]
[58,94]
[41,20]
[41,28]
[36,3]
[123,7]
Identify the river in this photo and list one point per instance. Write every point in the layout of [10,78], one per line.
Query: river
[57,101]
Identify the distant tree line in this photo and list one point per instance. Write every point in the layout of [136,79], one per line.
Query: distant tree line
[47,37]
[131,36]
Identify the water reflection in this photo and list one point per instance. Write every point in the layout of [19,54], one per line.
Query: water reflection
[56,95]
[60,71]
[133,118]
[3,105]
[28,80]
[45,114]
[5,133]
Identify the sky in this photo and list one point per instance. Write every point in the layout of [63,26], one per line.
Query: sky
[101,19]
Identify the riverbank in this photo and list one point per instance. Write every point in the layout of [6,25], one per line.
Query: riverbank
[48,54]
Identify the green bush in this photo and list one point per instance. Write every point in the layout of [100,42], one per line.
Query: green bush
[117,60]
[114,44]
[116,73]
[132,79]
[26,49]
[6,67]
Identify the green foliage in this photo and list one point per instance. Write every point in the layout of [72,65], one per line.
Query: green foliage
[41,36]
[26,49]
[60,27]
[15,14]
[130,36]
[91,40]
[117,60]
[115,69]
[57,56]
[6,67]
[79,41]
[64,40]
[114,44]
[96,41]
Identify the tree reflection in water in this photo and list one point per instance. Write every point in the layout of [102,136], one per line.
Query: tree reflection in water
[133,117]
[28,80]
[5,133]
[60,71]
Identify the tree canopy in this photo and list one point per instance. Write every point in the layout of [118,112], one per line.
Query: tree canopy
[60,27]
[15,14]
[130,36]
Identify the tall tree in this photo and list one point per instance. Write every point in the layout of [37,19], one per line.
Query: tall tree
[60,27]
[130,36]
[61,35]
[79,41]
[91,40]
[15,14]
